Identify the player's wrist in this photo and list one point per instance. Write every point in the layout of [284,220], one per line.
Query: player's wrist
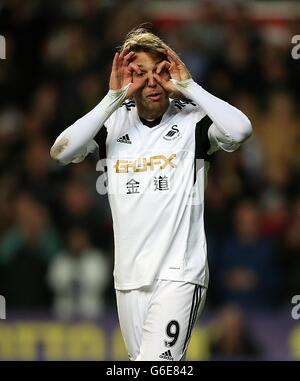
[119,94]
[184,82]
[119,90]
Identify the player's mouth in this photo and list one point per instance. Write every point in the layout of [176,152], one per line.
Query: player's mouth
[154,96]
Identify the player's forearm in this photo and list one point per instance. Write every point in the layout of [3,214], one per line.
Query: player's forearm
[76,137]
[231,127]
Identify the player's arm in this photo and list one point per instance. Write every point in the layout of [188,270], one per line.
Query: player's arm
[230,126]
[74,143]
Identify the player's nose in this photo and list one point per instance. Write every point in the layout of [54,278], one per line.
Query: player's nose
[151,80]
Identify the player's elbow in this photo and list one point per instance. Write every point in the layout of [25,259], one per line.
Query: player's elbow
[243,132]
[57,151]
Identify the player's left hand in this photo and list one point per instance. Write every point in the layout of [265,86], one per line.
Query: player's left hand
[176,68]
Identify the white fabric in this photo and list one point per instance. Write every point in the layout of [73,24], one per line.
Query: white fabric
[145,313]
[76,142]
[159,234]
[231,127]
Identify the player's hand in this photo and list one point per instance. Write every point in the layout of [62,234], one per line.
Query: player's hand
[176,69]
[123,73]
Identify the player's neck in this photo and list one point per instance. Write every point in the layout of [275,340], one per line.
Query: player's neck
[151,123]
[151,115]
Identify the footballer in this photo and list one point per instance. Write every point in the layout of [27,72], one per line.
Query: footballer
[157,129]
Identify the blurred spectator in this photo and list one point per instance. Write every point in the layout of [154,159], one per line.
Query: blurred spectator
[126,16]
[35,176]
[25,251]
[278,130]
[292,251]
[274,215]
[230,337]
[79,276]
[78,206]
[248,265]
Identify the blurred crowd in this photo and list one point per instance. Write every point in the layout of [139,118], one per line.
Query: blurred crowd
[56,246]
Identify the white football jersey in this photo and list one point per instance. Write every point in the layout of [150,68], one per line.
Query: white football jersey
[156,180]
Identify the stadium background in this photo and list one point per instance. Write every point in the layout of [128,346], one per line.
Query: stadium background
[56,246]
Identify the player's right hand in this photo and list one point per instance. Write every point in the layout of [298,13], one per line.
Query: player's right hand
[122,73]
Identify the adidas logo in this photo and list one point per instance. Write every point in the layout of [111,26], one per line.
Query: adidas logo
[124,139]
[166,356]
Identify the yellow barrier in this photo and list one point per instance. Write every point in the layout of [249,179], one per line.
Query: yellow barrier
[75,341]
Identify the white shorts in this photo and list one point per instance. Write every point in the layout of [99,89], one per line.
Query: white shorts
[156,321]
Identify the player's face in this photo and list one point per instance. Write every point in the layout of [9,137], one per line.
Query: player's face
[151,100]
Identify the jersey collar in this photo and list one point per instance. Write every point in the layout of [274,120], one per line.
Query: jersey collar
[170,112]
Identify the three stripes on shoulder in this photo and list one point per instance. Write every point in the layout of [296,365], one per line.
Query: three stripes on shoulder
[128,104]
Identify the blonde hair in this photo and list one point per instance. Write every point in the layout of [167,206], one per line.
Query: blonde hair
[141,39]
